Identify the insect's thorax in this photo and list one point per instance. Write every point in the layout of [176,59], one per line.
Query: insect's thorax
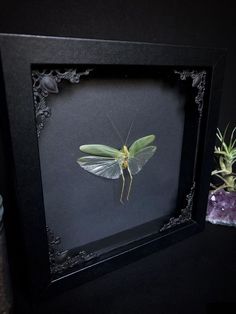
[125,158]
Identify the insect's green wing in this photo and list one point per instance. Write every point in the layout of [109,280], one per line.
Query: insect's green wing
[106,167]
[138,160]
[140,144]
[100,150]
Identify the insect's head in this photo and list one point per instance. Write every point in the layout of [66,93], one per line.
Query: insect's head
[125,150]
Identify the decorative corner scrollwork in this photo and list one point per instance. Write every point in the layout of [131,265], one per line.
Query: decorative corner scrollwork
[61,261]
[186,212]
[45,82]
[198,81]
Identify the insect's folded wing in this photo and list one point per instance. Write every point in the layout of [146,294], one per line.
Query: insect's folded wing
[137,161]
[100,150]
[141,143]
[101,166]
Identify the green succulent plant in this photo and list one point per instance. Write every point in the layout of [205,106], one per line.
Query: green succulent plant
[226,156]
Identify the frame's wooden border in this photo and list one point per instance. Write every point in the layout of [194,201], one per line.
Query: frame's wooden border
[24,203]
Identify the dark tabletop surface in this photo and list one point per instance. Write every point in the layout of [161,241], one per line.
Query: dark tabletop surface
[196,275]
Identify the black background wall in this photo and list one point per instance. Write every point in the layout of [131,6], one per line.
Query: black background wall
[195,270]
[199,23]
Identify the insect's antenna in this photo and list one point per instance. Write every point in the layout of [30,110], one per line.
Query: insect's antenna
[116,130]
[130,128]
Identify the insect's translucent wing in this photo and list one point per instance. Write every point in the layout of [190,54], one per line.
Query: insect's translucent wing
[100,150]
[101,166]
[137,161]
[141,143]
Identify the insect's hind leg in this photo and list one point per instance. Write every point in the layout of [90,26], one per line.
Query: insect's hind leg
[130,184]
[123,185]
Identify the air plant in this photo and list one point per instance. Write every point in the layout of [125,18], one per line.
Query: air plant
[226,155]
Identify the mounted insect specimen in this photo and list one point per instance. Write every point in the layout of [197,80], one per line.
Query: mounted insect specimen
[110,163]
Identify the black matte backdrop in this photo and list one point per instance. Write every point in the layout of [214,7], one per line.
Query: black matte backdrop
[79,116]
[186,272]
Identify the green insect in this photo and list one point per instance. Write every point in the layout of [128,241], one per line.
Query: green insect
[110,163]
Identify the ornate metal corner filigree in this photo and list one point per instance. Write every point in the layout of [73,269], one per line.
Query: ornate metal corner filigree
[46,82]
[198,81]
[186,212]
[61,261]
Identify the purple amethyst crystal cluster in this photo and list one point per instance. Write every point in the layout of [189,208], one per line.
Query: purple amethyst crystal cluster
[222,200]
[222,208]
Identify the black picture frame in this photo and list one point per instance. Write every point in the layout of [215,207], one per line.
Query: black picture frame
[21,56]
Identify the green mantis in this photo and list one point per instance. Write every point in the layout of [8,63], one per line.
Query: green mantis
[110,163]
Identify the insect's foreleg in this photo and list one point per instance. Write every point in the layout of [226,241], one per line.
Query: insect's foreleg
[131,180]
[123,185]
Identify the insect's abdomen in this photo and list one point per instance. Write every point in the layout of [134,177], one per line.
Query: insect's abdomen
[125,152]
[125,164]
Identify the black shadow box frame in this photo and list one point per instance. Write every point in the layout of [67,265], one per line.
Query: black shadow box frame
[33,68]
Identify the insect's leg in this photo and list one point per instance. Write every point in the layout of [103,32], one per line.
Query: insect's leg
[131,180]
[123,185]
